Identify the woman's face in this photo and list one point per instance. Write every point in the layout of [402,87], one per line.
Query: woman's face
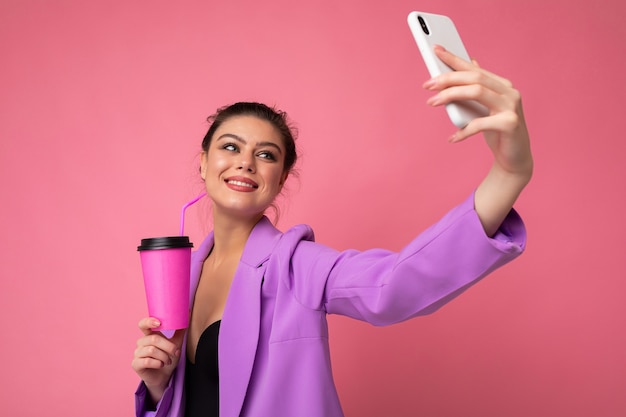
[243,170]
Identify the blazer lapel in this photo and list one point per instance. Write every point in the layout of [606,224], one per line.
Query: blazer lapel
[240,327]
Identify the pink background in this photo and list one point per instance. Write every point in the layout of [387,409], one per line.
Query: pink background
[102,112]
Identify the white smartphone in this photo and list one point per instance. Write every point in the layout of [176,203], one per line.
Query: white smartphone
[432,29]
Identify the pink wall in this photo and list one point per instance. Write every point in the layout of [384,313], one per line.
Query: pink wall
[102,111]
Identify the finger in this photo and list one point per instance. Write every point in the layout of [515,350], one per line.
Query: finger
[160,342]
[142,364]
[504,81]
[147,324]
[459,64]
[500,122]
[153,354]
[459,78]
[453,61]
[475,92]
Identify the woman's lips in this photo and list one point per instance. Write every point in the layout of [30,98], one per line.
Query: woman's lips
[241,184]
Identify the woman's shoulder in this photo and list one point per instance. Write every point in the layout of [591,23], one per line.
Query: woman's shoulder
[297,245]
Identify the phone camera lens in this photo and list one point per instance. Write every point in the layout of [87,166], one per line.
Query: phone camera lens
[423,25]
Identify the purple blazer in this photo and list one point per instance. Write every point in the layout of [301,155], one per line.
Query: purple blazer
[273,347]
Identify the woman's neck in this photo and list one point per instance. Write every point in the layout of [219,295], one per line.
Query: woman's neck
[231,234]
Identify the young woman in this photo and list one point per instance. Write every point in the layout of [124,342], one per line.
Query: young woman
[257,343]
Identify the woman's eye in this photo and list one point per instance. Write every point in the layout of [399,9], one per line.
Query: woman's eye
[229,147]
[267,155]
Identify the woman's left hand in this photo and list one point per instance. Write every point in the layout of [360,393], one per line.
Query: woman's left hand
[504,129]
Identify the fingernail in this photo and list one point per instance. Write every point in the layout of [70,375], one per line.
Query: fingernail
[430,84]
[177,353]
[434,100]
[156,323]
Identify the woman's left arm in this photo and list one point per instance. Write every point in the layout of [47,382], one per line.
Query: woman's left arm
[504,129]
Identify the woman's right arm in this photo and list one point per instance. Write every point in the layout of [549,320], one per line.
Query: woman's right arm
[156,358]
[383,287]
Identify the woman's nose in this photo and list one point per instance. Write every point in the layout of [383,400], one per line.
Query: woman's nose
[247,163]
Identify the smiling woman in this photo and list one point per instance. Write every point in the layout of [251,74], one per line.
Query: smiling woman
[243,168]
[257,342]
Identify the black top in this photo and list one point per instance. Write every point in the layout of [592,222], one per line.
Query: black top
[202,377]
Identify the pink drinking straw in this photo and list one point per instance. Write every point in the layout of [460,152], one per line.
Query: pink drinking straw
[182,213]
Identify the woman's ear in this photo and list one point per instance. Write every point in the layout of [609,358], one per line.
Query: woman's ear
[203,165]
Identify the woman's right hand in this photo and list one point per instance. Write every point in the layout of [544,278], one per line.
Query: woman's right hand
[156,357]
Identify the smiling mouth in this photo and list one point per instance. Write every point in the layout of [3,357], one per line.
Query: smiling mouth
[242,184]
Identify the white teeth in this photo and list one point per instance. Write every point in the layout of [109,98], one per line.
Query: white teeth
[241,184]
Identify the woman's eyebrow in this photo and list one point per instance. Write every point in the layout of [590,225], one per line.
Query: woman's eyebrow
[242,140]
[232,136]
[270,144]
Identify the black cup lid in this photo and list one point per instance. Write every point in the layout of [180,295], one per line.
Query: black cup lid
[167,242]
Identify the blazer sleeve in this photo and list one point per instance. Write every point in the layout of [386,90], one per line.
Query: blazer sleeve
[162,408]
[384,287]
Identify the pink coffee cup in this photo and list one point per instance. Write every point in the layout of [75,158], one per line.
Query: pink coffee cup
[165,262]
